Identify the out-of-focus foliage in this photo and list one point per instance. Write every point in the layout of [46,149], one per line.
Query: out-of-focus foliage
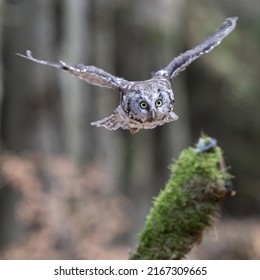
[61,214]
[47,208]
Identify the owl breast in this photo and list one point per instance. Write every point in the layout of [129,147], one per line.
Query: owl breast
[148,104]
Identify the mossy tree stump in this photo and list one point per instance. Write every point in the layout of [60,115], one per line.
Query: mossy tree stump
[187,205]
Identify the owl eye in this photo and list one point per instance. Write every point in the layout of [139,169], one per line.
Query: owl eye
[158,102]
[143,104]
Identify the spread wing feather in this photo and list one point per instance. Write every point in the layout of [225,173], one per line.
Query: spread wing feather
[180,62]
[89,74]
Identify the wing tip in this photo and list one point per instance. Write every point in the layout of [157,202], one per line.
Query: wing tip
[233,19]
[28,54]
[231,22]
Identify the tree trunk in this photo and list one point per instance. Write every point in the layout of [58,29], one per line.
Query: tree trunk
[76,48]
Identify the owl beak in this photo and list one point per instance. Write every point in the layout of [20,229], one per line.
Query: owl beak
[154,114]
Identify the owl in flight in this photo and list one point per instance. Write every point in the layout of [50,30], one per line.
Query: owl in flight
[143,104]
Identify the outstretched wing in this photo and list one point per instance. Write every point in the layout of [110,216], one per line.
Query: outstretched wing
[179,63]
[90,74]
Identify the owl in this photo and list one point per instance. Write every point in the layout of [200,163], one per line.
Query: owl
[143,104]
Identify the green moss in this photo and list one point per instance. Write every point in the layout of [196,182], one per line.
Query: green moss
[186,206]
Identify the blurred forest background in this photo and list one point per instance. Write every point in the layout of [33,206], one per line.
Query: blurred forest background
[69,190]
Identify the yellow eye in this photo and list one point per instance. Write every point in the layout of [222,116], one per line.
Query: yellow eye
[143,104]
[158,103]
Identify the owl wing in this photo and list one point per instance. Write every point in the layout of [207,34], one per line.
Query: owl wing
[179,63]
[89,74]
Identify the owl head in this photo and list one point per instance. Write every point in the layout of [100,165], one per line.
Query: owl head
[148,101]
[143,105]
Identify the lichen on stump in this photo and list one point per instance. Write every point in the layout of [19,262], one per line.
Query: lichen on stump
[188,204]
